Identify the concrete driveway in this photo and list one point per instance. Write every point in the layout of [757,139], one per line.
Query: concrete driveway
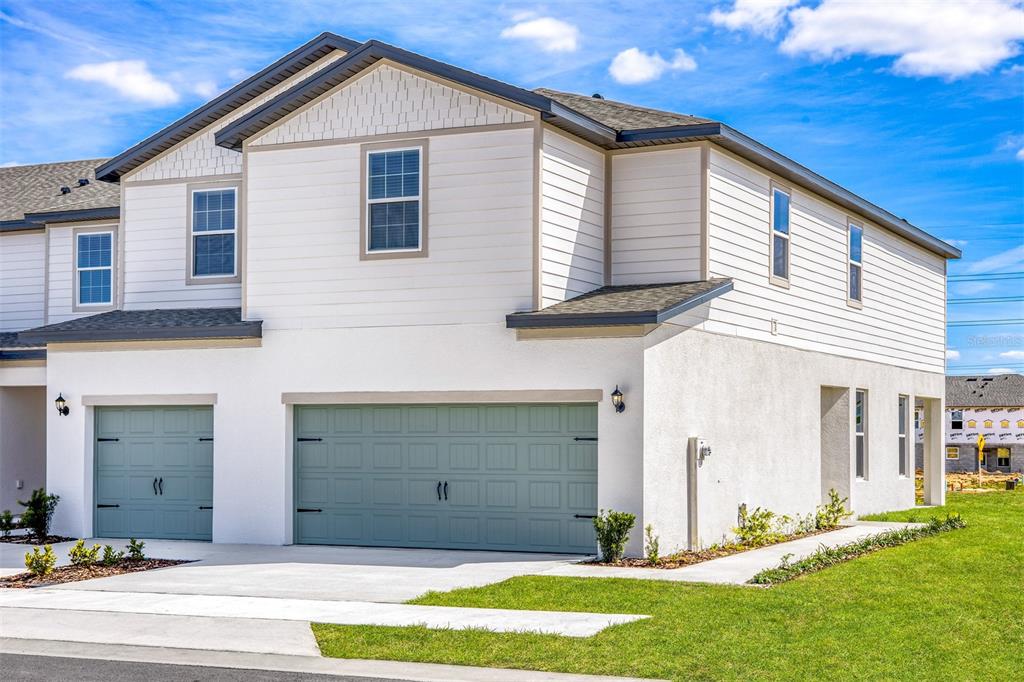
[306,572]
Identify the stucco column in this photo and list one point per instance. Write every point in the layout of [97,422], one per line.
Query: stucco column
[934,459]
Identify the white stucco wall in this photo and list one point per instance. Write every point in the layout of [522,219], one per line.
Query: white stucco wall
[23,412]
[251,462]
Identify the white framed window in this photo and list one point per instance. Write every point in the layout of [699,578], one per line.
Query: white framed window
[394,200]
[952,452]
[860,429]
[213,230]
[855,266]
[904,450]
[780,243]
[94,269]
[956,420]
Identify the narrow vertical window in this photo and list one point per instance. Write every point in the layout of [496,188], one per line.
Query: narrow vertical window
[393,196]
[95,269]
[780,234]
[860,432]
[903,449]
[856,263]
[213,232]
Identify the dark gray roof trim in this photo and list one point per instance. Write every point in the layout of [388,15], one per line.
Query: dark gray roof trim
[12,355]
[18,226]
[37,221]
[751,149]
[285,67]
[231,136]
[149,325]
[623,305]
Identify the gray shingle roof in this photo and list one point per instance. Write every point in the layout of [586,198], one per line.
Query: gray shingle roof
[36,189]
[141,325]
[623,304]
[619,115]
[1003,390]
[10,341]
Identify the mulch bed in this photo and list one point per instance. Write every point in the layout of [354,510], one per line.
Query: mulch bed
[70,574]
[31,540]
[688,558]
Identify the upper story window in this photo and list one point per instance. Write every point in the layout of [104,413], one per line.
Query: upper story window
[94,265]
[780,235]
[860,433]
[394,215]
[956,420]
[856,264]
[213,229]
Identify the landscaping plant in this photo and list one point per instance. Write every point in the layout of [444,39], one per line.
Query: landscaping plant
[135,552]
[81,555]
[38,513]
[111,556]
[6,523]
[40,562]
[829,515]
[612,530]
[760,527]
[651,548]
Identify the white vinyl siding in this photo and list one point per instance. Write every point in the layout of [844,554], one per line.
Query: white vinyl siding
[304,268]
[156,253]
[22,290]
[656,216]
[903,317]
[572,219]
[62,273]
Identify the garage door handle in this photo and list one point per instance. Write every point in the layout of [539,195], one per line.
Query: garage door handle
[108,440]
[303,510]
[205,440]
[310,440]
[439,491]
[446,490]
[154,487]
[584,516]
[206,507]
[107,506]
[584,438]
[161,484]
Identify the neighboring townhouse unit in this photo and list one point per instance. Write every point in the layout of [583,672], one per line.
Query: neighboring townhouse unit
[368,298]
[991,406]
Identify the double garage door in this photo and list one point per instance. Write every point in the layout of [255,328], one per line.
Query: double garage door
[154,472]
[495,477]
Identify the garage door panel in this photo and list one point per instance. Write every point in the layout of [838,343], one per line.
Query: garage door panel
[515,476]
[158,473]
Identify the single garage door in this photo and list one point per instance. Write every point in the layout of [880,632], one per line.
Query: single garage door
[496,477]
[154,472]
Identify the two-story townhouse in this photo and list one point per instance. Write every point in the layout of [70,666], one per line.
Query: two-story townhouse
[368,298]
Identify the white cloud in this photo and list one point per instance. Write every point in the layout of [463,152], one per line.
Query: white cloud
[1011,259]
[764,17]
[952,354]
[547,33]
[1020,154]
[973,288]
[1001,370]
[1013,355]
[633,66]
[205,89]
[928,38]
[131,78]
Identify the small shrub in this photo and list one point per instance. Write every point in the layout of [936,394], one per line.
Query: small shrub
[135,552]
[612,533]
[111,556]
[40,563]
[651,548]
[759,527]
[6,523]
[830,514]
[38,513]
[81,555]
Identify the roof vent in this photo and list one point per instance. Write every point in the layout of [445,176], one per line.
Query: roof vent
[82,182]
[65,190]
[597,95]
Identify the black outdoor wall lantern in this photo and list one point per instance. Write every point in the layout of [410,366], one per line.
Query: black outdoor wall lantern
[620,406]
[62,405]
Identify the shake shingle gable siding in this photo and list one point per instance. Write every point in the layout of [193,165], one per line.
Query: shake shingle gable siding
[145,325]
[623,305]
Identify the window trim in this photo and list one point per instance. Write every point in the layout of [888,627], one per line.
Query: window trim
[904,440]
[955,448]
[857,303]
[76,306]
[190,277]
[365,150]
[862,434]
[953,418]
[772,277]
[999,458]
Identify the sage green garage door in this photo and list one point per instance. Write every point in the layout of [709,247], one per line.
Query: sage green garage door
[496,477]
[154,472]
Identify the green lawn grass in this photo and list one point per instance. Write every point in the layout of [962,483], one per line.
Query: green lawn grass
[950,607]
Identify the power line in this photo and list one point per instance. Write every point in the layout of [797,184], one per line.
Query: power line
[983,323]
[994,276]
[985,299]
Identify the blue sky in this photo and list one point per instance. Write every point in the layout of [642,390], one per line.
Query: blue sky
[917,106]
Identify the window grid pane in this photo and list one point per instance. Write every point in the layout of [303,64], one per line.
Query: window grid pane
[780,218]
[94,286]
[780,259]
[213,226]
[394,175]
[94,250]
[213,210]
[214,254]
[394,225]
